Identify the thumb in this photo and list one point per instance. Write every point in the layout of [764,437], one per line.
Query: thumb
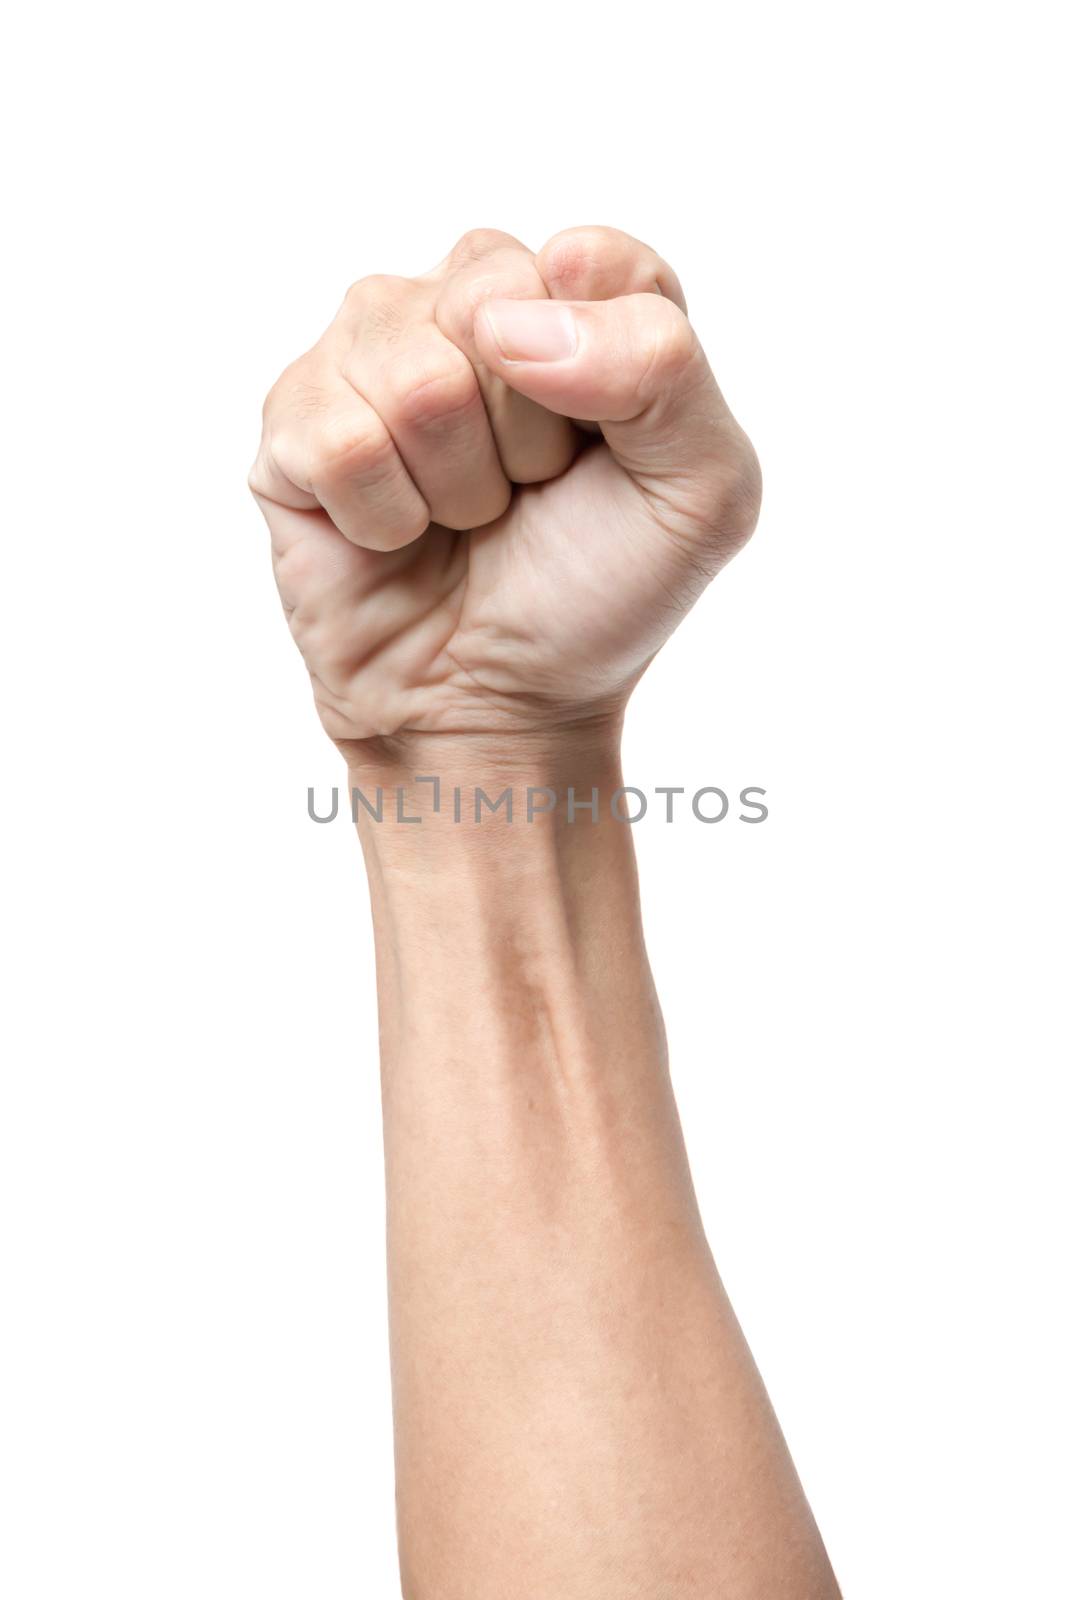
[635,366]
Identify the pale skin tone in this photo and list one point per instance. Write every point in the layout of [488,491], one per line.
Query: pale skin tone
[493,491]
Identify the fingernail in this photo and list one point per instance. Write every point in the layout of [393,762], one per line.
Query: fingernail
[532,330]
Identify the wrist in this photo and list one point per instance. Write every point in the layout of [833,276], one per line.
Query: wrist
[543,746]
[453,784]
[521,880]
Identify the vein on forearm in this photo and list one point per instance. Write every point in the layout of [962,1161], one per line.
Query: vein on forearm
[516,999]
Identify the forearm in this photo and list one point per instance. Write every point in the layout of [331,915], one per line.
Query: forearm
[576,1411]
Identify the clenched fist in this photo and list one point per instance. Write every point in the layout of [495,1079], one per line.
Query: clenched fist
[493,490]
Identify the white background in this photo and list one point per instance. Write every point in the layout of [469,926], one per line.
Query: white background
[863,206]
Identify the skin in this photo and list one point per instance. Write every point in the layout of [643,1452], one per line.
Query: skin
[492,493]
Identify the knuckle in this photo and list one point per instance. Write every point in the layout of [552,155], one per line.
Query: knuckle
[743,491]
[585,256]
[477,243]
[377,286]
[281,392]
[279,455]
[731,500]
[347,448]
[430,392]
[568,255]
[377,308]
[303,402]
[669,344]
[257,480]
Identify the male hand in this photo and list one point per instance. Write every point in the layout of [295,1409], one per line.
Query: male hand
[495,489]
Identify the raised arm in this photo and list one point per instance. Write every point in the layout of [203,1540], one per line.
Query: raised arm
[576,1411]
